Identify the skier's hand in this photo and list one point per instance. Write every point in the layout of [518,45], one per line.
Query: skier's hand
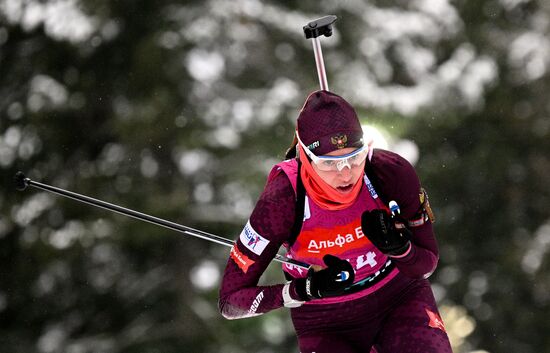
[328,282]
[381,230]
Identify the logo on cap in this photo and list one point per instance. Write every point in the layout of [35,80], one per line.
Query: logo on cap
[340,141]
[314,145]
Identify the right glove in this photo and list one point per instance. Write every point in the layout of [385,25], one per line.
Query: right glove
[328,282]
[380,228]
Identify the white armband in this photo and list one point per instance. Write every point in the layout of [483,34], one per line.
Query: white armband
[287,299]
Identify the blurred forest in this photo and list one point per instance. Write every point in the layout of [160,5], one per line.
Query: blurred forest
[179,108]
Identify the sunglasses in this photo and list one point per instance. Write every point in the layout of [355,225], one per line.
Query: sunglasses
[336,163]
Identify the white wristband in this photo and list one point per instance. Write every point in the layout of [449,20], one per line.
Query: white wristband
[287,299]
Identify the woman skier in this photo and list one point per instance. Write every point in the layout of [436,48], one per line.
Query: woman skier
[360,217]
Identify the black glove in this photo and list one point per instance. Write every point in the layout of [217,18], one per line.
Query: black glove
[380,228]
[328,282]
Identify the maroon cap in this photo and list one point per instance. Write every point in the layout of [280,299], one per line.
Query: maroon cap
[327,123]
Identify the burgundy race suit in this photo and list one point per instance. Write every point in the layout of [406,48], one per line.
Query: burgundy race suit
[396,310]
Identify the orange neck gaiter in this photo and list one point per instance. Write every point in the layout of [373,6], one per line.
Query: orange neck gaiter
[324,195]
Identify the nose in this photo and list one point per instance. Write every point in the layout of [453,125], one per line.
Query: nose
[341,165]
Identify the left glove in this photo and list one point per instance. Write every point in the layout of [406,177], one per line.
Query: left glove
[379,226]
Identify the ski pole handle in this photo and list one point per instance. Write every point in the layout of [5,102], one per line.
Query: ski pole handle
[313,30]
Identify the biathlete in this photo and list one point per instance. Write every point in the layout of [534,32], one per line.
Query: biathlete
[329,207]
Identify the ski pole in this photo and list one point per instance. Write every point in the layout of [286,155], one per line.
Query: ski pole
[22,182]
[314,29]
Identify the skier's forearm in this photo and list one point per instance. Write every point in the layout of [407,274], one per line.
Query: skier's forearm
[422,259]
[252,301]
[240,298]
[419,263]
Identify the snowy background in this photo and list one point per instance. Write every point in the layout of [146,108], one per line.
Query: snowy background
[179,109]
